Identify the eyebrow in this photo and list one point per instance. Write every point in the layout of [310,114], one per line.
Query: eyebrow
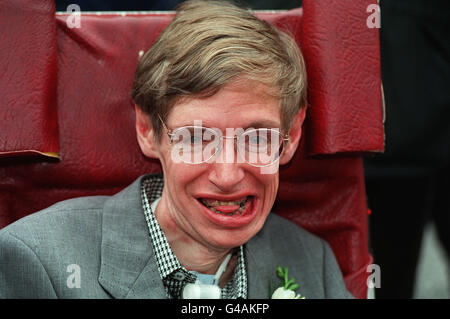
[264,124]
[255,124]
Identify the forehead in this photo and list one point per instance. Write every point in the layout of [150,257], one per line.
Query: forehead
[238,104]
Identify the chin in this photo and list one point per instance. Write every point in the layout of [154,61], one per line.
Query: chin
[234,238]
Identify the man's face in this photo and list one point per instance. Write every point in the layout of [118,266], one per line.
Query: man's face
[202,201]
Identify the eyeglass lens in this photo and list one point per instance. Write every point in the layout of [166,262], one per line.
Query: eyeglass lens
[258,147]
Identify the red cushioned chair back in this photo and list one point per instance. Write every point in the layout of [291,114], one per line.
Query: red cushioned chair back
[68,120]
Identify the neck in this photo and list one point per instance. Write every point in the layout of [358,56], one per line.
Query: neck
[192,254]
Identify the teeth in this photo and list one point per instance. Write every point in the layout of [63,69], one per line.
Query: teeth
[212,203]
[239,211]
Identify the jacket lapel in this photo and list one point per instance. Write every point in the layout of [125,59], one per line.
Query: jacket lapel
[128,268]
[260,266]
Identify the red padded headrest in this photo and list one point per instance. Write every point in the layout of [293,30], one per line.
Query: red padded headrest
[28,55]
[342,56]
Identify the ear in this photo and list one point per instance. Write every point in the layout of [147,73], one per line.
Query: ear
[295,133]
[145,134]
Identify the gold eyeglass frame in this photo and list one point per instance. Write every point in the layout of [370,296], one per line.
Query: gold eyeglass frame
[284,139]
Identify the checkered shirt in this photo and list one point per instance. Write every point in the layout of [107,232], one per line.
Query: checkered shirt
[173,274]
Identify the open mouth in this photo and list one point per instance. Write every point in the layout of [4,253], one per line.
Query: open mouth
[237,207]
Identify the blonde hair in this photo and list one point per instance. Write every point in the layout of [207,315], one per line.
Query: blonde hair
[207,45]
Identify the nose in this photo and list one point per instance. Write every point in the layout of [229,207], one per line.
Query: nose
[226,176]
[226,172]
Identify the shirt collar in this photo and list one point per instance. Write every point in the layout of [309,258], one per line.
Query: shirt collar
[172,273]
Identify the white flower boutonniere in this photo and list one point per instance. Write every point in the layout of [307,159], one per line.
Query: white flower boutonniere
[286,291]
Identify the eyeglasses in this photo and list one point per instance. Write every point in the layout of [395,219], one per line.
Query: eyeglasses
[194,144]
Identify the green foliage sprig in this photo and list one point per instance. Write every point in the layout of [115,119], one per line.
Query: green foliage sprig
[288,284]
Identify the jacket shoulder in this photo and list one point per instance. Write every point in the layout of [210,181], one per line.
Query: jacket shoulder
[280,229]
[69,218]
[46,247]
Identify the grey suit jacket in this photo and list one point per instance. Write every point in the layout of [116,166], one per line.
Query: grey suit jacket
[99,247]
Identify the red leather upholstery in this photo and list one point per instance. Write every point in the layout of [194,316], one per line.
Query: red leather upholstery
[85,75]
[343,62]
[28,55]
